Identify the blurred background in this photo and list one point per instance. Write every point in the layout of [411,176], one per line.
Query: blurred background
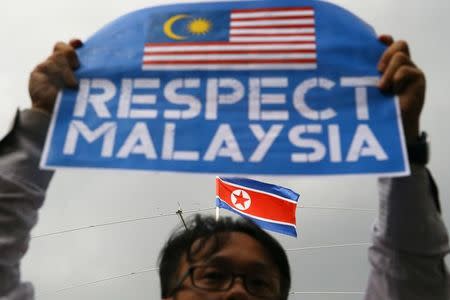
[100,232]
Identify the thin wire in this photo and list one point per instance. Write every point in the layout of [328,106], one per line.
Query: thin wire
[194,211]
[329,246]
[101,280]
[156,269]
[328,293]
[339,208]
[311,207]
[115,223]
[173,214]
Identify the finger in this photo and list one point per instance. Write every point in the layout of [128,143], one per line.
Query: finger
[61,47]
[386,39]
[54,69]
[398,60]
[67,51]
[51,71]
[76,43]
[41,90]
[399,46]
[38,79]
[405,75]
[64,71]
[69,78]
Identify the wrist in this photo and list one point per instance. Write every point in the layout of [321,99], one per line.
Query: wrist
[418,150]
[40,110]
[412,132]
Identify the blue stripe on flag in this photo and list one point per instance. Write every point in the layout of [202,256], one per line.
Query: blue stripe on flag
[280,228]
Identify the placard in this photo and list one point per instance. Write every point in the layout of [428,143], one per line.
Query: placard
[258,87]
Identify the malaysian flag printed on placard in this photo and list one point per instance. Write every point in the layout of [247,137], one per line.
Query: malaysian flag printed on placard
[270,206]
[250,39]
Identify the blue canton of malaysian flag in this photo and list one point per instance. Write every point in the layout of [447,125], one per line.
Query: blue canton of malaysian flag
[282,38]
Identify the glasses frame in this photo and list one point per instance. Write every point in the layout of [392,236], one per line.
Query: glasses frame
[190,273]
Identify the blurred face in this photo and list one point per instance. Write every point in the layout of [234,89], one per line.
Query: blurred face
[241,269]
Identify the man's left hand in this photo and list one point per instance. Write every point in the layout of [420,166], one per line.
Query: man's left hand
[403,78]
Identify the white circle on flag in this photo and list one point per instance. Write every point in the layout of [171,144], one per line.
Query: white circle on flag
[241,199]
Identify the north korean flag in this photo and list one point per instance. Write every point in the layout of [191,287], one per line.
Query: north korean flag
[270,206]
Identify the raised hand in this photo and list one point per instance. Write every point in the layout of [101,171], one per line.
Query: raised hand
[402,77]
[53,74]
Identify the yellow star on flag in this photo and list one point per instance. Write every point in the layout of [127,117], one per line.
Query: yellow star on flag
[199,26]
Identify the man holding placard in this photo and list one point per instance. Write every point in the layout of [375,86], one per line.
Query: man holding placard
[409,239]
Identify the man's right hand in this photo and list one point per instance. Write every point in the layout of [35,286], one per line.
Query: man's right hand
[52,75]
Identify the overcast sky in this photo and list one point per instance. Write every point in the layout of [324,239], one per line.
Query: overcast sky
[96,263]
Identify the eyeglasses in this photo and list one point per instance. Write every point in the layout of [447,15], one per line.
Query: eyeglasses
[212,278]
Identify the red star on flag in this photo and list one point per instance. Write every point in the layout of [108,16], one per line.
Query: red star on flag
[240,199]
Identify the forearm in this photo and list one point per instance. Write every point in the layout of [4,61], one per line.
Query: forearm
[409,219]
[410,241]
[22,191]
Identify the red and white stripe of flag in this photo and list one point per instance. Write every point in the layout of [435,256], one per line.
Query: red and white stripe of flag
[269,38]
[264,206]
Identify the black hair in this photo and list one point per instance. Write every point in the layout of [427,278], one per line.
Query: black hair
[202,229]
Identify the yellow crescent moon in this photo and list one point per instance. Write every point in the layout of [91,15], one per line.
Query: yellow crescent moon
[168,27]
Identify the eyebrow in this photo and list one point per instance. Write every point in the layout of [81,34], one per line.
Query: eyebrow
[225,261]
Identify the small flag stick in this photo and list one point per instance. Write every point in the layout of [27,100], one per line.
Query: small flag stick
[217,213]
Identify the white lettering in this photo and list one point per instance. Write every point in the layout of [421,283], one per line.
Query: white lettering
[169,152]
[361,84]
[107,129]
[139,141]
[334,138]
[319,150]
[300,101]
[365,144]
[213,98]
[127,98]
[265,139]
[256,99]
[98,101]
[170,92]
[224,144]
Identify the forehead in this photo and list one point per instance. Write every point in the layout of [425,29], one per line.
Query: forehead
[239,251]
